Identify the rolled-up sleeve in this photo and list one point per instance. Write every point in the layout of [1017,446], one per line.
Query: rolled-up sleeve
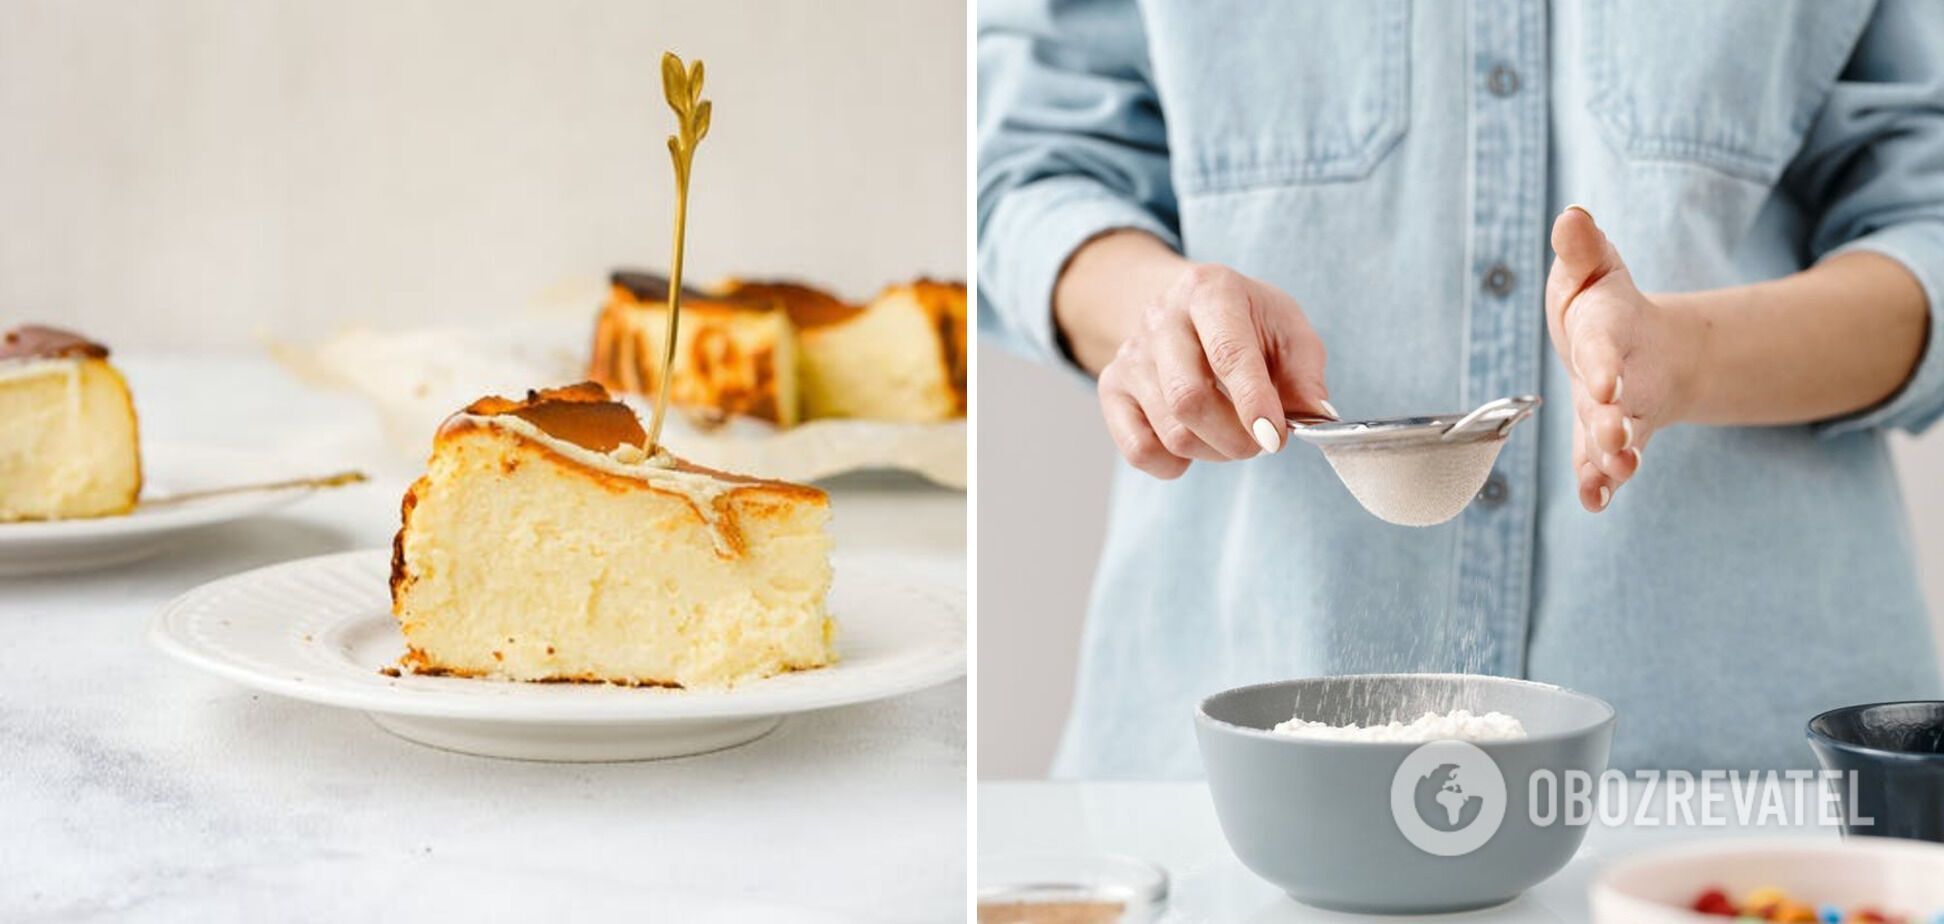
[1872,168]
[1071,145]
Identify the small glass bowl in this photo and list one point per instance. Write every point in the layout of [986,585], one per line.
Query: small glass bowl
[1056,889]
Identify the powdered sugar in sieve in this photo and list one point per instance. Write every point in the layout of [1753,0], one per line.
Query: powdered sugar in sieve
[1416,471]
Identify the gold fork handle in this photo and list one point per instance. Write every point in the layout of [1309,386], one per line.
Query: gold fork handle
[337,479]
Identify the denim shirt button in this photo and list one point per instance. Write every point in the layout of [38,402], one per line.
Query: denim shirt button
[1499,280]
[1494,492]
[1504,80]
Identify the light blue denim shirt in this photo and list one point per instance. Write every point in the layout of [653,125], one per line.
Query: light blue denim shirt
[1395,167]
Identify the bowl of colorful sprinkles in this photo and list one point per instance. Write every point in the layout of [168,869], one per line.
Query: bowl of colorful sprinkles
[1855,880]
[1771,903]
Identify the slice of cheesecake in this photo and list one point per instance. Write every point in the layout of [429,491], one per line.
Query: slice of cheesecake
[68,445]
[734,356]
[900,358]
[543,543]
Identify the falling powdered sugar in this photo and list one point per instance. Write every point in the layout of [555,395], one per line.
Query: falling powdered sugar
[1458,724]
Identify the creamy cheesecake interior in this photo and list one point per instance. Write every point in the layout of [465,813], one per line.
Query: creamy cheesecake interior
[900,358]
[68,441]
[544,544]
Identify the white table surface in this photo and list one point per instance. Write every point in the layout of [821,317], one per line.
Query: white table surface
[135,788]
[1173,825]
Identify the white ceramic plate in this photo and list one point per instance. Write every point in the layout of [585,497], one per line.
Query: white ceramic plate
[1905,877]
[321,629]
[43,547]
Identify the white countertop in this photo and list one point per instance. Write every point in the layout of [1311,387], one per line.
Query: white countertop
[133,787]
[1173,825]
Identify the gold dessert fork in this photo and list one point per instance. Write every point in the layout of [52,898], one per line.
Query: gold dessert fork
[333,480]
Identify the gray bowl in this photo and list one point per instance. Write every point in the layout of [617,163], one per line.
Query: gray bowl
[1316,817]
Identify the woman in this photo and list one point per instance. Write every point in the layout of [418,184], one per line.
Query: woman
[1198,202]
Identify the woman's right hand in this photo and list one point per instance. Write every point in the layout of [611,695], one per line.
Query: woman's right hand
[1215,365]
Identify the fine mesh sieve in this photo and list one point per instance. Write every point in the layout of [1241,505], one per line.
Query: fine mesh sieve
[1416,471]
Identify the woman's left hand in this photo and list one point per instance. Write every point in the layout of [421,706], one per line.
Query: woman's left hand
[1634,361]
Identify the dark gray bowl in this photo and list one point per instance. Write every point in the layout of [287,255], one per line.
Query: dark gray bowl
[1316,819]
[1896,751]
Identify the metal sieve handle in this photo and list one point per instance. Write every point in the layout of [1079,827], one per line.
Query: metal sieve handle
[1521,407]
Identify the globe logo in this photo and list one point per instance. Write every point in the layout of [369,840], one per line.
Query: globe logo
[1442,802]
[1448,798]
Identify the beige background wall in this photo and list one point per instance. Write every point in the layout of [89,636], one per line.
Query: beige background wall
[198,171]
[1035,568]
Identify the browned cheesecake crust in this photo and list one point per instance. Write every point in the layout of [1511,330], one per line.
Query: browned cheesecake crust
[35,341]
[583,414]
[715,378]
[648,288]
[808,306]
[945,301]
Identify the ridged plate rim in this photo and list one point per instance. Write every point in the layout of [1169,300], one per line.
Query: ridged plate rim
[291,629]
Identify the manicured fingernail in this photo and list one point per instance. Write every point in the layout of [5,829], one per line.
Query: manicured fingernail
[1329,409]
[1619,384]
[1581,209]
[1266,435]
[1626,432]
[1606,496]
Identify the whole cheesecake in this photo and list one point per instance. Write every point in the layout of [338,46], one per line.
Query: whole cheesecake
[545,543]
[68,441]
[785,352]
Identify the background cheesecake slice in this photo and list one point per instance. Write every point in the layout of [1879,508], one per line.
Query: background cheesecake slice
[785,352]
[902,357]
[735,356]
[544,544]
[68,444]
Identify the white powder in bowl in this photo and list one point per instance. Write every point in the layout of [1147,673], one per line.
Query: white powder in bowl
[1421,485]
[1460,724]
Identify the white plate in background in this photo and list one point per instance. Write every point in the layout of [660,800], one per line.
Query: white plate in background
[321,629]
[49,546]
